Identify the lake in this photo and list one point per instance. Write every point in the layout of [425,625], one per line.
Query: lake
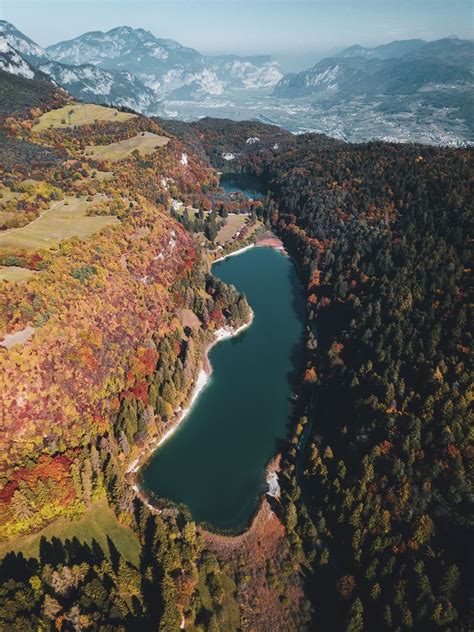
[215,461]
[248,184]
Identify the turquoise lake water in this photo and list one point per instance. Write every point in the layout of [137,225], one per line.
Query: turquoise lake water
[215,461]
[248,184]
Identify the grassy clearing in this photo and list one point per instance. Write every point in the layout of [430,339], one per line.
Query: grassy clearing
[96,524]
[6,195]
[62,220]
[103,175]
[18,338]
[80,114]
[258,224]
[146,143]
[234,224]
[15,274]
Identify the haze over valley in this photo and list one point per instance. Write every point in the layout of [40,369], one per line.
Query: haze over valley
[409,90]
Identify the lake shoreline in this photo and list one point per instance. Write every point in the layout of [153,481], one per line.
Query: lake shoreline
[205,372]
[233,253]
[263,511]
[265,242]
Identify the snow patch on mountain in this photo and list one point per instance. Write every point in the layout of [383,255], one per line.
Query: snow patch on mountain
[327,77]
[12,62]
[28,49]
[249,73]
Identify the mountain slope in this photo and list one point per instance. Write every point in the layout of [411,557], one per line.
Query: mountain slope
[18,94]
[396,69]
[261,71]
[13,63]
[450,50]
[29,50]
[93,84]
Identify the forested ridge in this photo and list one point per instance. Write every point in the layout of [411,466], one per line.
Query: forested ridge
[111,359]
[382,235]
[74,586]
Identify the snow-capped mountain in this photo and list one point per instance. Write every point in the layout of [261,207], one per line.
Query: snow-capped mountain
[327,76]
[133,68]
[29,50]
[83,81]
[93,84]
[165,65]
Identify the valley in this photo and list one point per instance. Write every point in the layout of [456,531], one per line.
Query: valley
[358,119]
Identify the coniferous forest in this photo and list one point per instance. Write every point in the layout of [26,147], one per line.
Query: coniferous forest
[384,487]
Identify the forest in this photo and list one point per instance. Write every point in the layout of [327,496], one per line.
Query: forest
[384,490]
[377,470]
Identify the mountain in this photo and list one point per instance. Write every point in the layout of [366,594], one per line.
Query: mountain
[22,86]
[165,65]
[329,75]
[404,91]
[398,48]
[450,50]
[260,71]
[83,81]
[29,50]
[397,68]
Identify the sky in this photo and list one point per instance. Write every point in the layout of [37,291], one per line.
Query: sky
[297,33]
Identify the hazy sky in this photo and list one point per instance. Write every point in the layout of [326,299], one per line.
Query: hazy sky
[292,30]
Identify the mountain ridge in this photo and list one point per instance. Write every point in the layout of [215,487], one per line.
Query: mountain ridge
[166,65]
[369,68]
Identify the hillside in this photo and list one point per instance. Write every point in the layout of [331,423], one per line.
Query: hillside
[97,357]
